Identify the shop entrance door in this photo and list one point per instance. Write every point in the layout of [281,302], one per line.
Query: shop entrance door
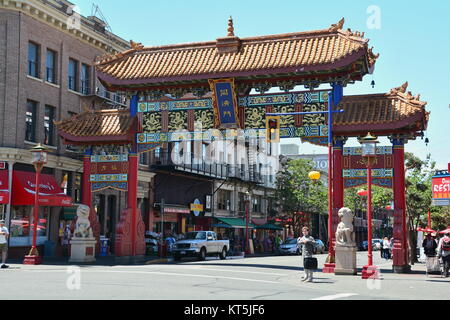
[112,222]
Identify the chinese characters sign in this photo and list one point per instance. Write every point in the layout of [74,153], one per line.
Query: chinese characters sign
[109,171]
[355,170]
[225,104]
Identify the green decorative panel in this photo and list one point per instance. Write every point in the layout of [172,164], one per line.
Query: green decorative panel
[177,121]
[205,117]
[152,122]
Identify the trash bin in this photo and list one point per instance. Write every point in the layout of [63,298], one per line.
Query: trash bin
[104,245]
[49,249]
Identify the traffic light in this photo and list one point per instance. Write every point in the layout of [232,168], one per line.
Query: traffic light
[273,128]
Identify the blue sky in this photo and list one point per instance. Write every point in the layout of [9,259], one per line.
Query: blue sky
[413,42]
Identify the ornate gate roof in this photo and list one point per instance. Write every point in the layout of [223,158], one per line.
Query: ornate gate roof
[321,55]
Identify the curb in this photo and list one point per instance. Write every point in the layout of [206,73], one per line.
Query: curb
[156,261]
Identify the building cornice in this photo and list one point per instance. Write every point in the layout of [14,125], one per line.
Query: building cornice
[51,16]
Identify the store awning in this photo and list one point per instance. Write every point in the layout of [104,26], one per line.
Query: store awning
[269,226]
[235,223]
[4,193]
[259,222]
[69,213]
[50,194]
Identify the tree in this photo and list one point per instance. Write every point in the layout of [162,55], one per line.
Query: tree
[381,197]
[419,174]
[298,194]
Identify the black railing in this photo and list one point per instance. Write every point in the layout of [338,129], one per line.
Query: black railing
[188,163]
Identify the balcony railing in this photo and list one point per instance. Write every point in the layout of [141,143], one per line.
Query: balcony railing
[187,163]
[112,97]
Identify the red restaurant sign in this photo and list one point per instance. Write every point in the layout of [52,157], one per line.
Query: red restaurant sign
[441,187]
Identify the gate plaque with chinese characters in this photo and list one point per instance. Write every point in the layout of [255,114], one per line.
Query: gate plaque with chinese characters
[109,171]
[355,170]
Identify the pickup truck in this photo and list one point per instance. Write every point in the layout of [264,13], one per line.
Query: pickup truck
[200,244]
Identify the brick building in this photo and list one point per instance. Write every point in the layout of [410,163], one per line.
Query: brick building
[46,74]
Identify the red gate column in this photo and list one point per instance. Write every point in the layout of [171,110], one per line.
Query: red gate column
[400,250]
[338,196]
[132,198]
[86,197]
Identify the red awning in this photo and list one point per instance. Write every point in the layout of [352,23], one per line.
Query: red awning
[4,193]
[259,222]
[50,194]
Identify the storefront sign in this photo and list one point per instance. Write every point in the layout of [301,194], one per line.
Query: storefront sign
[441,187]
[2,165]
[196,207]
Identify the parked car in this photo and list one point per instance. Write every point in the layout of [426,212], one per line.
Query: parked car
[200,244]
[320,247]
[289,246]
[376,244]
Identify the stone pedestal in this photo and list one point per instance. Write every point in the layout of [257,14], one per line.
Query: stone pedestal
[82,250]
[345,260]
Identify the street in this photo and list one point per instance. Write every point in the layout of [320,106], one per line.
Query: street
[258,278]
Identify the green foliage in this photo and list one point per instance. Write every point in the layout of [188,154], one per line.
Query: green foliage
[297,193]
[381,197]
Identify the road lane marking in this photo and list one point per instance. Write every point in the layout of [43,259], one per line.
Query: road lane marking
[336,296]
[163,273]
[242,271]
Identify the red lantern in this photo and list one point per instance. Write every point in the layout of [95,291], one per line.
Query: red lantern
[362,193]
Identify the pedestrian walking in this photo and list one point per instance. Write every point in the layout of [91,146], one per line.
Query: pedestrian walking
[386,246]
[429,245]
[443,251]
[391,247]
[309,262]
[4,234]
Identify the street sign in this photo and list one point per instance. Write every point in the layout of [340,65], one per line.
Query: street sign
[441,190]
[196,207]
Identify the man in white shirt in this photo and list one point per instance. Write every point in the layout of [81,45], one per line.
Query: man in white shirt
[4,234]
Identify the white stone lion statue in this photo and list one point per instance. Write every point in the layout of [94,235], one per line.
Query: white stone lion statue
[344,233]
[83,227]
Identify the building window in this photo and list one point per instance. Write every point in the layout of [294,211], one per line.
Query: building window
[33,59]
[143,158]
[241,202]
[77,187]
[73,75]
[22,219]
[257,200]
[50,64]
[49,117]
[30,119]
[223,200]
[85,76]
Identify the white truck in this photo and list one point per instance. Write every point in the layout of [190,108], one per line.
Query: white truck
[200,244]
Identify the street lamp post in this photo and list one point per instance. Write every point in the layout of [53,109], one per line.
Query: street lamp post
[247,209]
[314,176]
[369,144]
[39,159]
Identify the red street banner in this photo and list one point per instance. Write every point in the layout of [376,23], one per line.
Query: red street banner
[441,187]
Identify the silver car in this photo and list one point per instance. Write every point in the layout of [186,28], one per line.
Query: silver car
[289,246]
